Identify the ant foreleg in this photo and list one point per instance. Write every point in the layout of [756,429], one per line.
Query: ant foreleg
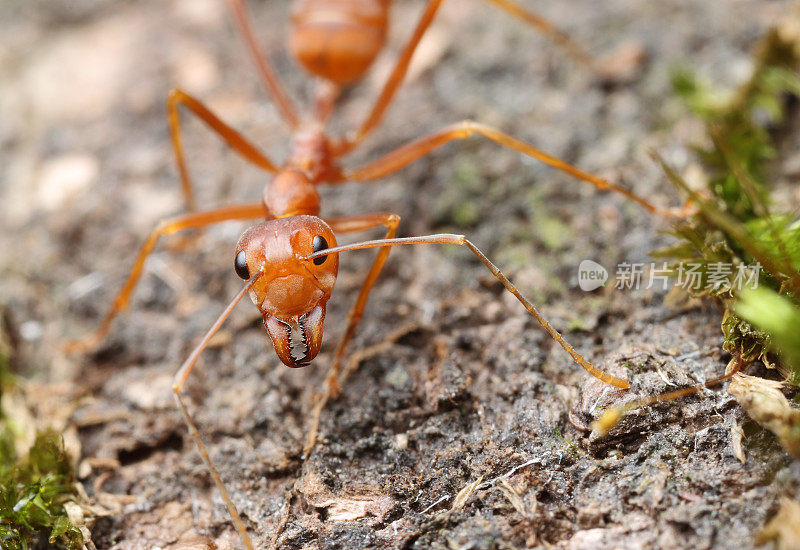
[350,224]
[177,388]
[188,221]
[578,358]
[233,138]
[449,238]
[346,225]
[423,146]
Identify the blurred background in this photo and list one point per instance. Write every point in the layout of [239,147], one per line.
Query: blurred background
[86,172]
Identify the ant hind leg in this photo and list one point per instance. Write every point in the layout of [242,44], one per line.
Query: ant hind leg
[397,75]
[265,69]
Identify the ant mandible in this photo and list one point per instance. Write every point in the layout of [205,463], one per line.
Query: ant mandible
[290,260]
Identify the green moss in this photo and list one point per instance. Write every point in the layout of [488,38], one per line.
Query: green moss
[778,317]
[33,491]
[744,340]
[734,224]
[466,213]
[738,125]
[576,324]
[553,232]
[571,448]
[35,487]
[460,201]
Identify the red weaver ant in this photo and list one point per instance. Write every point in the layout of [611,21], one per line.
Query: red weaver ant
[290,260]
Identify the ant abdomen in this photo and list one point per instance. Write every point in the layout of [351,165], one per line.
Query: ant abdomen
[338,39]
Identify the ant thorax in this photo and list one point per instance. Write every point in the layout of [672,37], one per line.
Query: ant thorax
[291,193]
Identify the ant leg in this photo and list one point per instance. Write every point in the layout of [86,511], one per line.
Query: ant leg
[188,221]
[350,224]
[578,358]
[177,388]
[268,74]
[403,62]
[613,415]
[449,238]
[415,150]
[233,138]
[548,29]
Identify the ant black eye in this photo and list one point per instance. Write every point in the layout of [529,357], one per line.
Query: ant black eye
[240,264]
[319,243]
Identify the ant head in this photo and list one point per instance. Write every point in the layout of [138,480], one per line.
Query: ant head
[290,290]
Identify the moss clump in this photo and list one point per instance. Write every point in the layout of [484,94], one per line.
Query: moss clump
[734,225]
[33,491]
[779,317]
[33,487]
